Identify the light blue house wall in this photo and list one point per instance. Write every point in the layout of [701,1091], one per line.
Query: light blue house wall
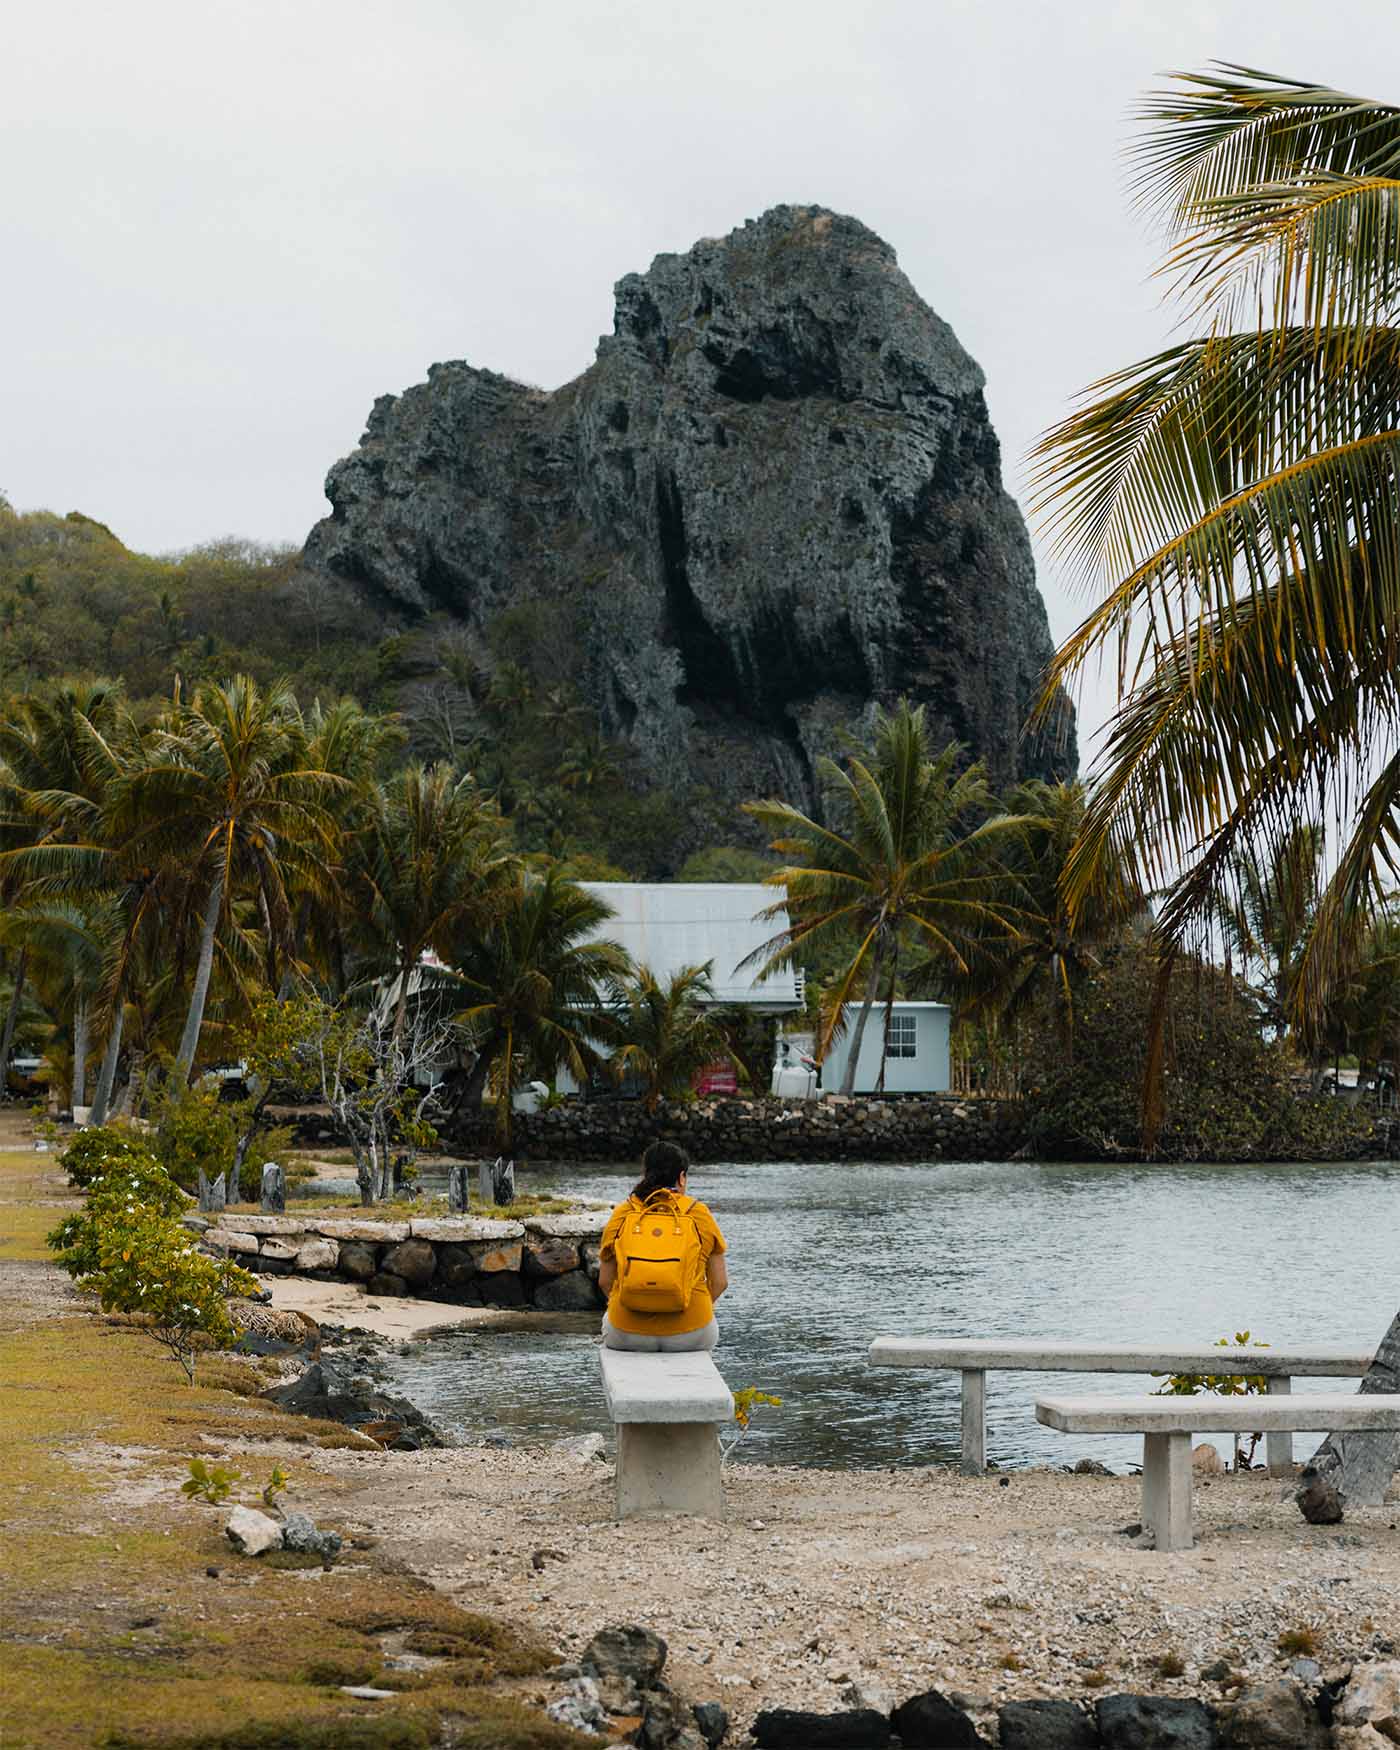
[918,1061]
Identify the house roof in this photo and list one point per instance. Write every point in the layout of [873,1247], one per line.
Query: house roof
[668,925]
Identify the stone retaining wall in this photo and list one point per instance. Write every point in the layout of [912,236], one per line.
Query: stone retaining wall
[837,1128]
[545,1261]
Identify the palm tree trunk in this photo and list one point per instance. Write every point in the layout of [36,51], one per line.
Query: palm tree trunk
[189,1041]
[848,1080]
[7,1038]
[1359,1466]
[107,1075]
[80,1051]
[401,1012]
[889,1012]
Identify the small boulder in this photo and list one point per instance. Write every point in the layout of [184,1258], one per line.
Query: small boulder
[1206,1461]
[317,1254]
[580,1708]
[667,1721]
[356,1260]
[783,1728]
[1372,1698]
[300,1533]
[931,1722]
[712,1721]
[1273,1716]
[1155,1722]
[414,1260]
[625,1651]
[1046,1725]
[547,1256]
[252,1533]
[387,1286]
[571,1293]
[1317,1498]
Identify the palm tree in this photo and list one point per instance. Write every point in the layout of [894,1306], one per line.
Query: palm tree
[432,858]
[533,985]
[1053,949]
[667,1033]
[1266,918]
[227,794]
[1234,499]
[905,867]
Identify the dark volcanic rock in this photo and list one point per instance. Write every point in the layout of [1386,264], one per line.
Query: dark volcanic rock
[931,1722]
[782,1728]
[1046,1725]
[1155,1722]
[774,498]
[626,1651]
[1273,1716]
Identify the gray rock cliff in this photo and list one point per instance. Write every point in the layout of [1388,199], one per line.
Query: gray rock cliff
[772,502]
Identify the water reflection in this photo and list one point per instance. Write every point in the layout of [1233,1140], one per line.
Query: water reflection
[825,1257]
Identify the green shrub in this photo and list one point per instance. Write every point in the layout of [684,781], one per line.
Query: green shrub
[196,1132]
[94,1152]
[126,1189]
[149,1264]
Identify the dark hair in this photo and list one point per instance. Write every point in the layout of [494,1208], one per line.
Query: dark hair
[662,1166]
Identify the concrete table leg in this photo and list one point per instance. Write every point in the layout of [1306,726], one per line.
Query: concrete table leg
[1278,1448]
[1166,1490]
[669,1467]
[974,1421]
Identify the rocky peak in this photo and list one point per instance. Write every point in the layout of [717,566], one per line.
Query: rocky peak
[773,501]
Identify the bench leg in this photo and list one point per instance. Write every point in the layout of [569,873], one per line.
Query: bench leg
[974,1421]
[669,1467]
[1166,1490]
[1278,1448]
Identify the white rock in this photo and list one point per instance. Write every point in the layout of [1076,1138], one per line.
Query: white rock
[376,1232]
[464,1228]
[318,1254]
[582,1447]
[232,1239]
[252,1533]
[580,1226]
[279,1246]
[272,1224]
[1372,1698]
[367,1692]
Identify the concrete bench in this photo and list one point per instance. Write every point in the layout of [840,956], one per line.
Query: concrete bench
[975,1356]
[668,1409]
[1167,1426]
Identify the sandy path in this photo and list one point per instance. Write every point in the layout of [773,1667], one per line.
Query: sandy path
[897,1580]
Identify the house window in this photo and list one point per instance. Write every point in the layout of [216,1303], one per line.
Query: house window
[901,1039]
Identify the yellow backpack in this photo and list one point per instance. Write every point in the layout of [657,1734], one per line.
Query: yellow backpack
[659,1260]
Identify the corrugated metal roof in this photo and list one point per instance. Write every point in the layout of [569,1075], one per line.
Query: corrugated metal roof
[668,925]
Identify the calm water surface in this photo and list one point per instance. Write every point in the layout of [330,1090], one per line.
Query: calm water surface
[823,1258]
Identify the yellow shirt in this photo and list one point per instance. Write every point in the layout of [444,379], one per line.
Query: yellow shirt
[701,1308]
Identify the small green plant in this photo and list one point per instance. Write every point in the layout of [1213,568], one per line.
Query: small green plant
[1094,1679]
[195,1133]
[1011,1662]
[1229,1385]
[209,1482]
[1301,1642]
[275,1485]
[746,1402]
[1171,1665]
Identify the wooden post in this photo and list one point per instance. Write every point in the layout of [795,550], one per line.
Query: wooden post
[1278,1448]
[974,1421]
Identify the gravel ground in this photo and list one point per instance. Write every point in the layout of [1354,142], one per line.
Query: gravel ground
[892,1581]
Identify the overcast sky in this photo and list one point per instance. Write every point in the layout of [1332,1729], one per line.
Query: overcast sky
[228,227]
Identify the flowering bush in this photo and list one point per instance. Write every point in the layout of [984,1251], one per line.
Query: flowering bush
[94,1152]
[149,1264]
[127,1248]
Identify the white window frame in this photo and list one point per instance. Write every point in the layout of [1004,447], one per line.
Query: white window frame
[903,1041]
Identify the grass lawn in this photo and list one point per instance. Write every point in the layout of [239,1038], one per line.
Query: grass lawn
[127,1618]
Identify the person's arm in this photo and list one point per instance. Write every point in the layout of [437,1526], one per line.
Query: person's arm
[607,1273]
[716,1274]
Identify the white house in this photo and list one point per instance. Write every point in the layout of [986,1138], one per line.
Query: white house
[916,1056]
[667,925]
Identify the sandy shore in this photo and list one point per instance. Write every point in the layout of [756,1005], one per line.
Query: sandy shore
[999,1587]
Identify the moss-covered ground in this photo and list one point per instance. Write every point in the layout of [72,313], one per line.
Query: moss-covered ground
[127,1618]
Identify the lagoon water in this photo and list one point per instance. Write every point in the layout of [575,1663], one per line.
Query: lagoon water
[823,1258]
